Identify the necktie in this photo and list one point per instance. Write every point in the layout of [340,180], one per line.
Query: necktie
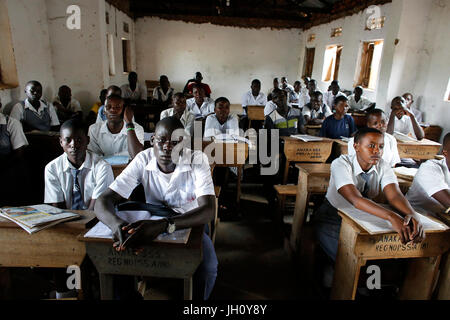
[77,198]
[366,178]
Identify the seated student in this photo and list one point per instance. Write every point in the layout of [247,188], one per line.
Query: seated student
[357,179]
[221,122]
[297,97]
[286,86]
[357,101]
[34,113]
[66,106]
[112,90]
[197,81]
[180,112]
[132,92]
[119,135]
[430,191]
[186,187]
[403,120]
[339,124]
[276,85]
[288,120]
[332,94]
[254,97]
[12,147]
[316,111]
[377,120]
[304,89]
[200,105]
[312,87]
[92,115]
[163,93]
[78,177]
[409,102]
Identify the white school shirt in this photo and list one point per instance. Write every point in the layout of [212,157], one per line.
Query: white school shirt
[433,176]
[405,126]
[248,99]
[190,180]
[18,110]
[362,104]
[417,114]
[187,119]
[105,144]
[139,93]
[390,151]
[213,126]
[313,114]
[346,170]
[94,177]
[164,97]
[328,98]
[15,131]
[74,105]
[270,106]
[200,111]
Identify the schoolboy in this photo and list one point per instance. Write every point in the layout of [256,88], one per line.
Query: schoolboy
[200,105]
[78,177]
[163,93]
[221,122]
[119,135]
[403,120]
[332,94]
[185,186]
[254,97]
[430,190]
[180,111]
[112,90]
[357,179]
[339,124]
[315,112]
[357,101]
[132,92]
[377,120]
[66,106]
[34,113]
[409,102]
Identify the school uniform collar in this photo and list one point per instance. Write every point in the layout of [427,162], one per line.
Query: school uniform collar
[250,93]
[87,164]
[183,166]
[28,105]
[104,128]
[357,168]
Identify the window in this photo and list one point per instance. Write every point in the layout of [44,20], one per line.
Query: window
[107,17]
[447,93]
[126,55]
[375,23]
[336,32]
[110,48]
[331,63]
[308,62]
[126,27]
[369,65]
[8,70]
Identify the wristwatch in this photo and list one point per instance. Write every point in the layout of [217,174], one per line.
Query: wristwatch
[447,211]
[170,226]
[130,125]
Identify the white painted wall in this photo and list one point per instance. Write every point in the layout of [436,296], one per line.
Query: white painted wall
[30,36]
[228,57]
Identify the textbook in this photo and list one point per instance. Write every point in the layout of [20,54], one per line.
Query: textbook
[37,217]
[405,173]
[224,137]
[116,160]
[306,138]
[403,137]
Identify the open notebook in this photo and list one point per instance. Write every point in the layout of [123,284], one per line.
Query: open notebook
[374,225]
[101,231]
[306,138]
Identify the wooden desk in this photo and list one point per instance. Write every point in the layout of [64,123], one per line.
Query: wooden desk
[296,150]
[360,119]
[339,148]
[118,168]
[314,179]
[255,113]
[357,246]
[443,288]
[223,154]
[164,260]
[55,247]
[421,150]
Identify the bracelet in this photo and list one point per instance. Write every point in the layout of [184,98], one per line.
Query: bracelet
[130,129]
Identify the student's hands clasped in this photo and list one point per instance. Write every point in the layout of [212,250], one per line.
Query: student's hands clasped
[137,233]
[409,228]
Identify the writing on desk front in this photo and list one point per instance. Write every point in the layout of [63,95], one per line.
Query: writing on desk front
[147,259]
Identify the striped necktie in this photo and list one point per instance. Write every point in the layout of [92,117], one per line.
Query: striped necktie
[366,178]
[77,198]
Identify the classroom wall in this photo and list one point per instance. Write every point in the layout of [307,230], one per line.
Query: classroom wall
[228,57]
[30,37]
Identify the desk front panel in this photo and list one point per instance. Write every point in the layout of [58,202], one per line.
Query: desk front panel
[300,151]
[420,151]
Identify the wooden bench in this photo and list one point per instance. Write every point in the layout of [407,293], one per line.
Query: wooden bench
[282,192]
[255,113]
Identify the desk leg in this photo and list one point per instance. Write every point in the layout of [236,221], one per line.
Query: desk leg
[444,279]
[106,287]
[238,184]
[188,288]
[347,266]
[286,172]
[299,211]
[420,278]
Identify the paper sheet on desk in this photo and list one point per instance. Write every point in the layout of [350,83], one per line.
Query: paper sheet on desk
[101,231]
[374,225]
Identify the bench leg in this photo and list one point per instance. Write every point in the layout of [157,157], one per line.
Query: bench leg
[347,266]
[299,211]
[106,287]
[188,288]
[238,185]
[286,172]
[444,279]
[420,278]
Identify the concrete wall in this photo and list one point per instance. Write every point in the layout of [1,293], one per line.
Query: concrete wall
[228,57]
